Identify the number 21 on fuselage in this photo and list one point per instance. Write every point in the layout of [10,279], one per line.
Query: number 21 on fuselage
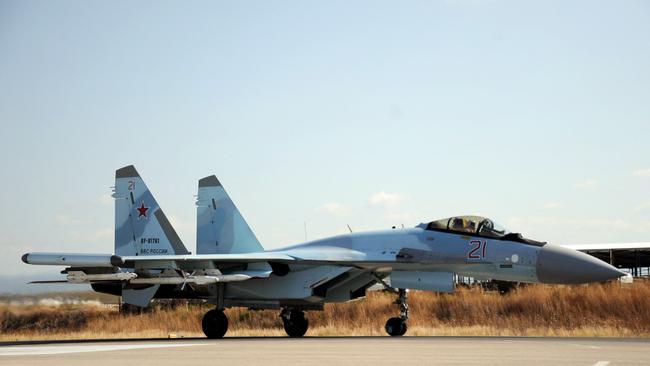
[477,249]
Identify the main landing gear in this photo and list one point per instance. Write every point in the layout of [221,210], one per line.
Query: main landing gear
[295,322]
[215,324]
[397,326]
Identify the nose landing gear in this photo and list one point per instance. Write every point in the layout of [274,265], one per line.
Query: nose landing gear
[397,326]
[295,322]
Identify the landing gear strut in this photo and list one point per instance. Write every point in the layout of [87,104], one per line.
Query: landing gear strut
[295,323]
[397,326]
[215,324]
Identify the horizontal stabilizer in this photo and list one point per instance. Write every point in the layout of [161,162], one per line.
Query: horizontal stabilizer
[139,297]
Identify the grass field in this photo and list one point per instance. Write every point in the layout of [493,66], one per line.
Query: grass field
[600,310]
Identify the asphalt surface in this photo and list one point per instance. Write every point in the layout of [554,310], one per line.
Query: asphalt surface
[331,351]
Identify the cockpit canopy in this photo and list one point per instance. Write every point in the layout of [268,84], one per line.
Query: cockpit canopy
[474,225]
[477,226]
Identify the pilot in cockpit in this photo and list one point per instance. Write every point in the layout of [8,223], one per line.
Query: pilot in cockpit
[463,225]
[457,224]
[471,227]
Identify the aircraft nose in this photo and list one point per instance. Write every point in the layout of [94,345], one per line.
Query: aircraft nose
[559,265]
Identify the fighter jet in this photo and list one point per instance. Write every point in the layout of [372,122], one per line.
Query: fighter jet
[231,268]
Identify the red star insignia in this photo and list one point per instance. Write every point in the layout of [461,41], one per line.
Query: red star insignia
[142,210]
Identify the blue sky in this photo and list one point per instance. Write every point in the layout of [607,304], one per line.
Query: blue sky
[367,113]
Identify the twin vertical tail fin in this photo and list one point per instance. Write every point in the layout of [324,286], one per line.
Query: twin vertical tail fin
[220,228]
[141,227]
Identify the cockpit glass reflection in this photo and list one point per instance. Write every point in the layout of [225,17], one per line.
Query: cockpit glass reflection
[475,225]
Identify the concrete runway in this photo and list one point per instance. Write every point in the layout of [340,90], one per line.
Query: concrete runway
[331,351]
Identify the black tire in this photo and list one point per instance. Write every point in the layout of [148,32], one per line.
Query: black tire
[214,324]
[395,327]
[404,328]
[296,326]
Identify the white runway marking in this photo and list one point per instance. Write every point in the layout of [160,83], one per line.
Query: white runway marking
[586,345]
[53,350]
[601,363]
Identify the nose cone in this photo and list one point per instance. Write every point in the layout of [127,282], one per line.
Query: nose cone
[561,265]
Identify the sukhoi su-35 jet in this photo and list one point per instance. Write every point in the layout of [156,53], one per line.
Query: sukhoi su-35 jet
[231,268]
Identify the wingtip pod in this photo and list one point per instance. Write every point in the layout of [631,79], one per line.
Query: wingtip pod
[126,172]
[210,181]
[72,259]
[65,258]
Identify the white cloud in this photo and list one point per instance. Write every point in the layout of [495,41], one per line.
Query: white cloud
[580,230]
[586,185]
[71,221]
[641,173]
[553,205]
[406,218]
[386,199]
[643,207]
[63,219]
[106,200]
[103,235]
[179,222]
[332,208]
[185,228]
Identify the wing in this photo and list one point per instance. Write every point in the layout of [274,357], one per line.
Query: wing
[180,269]
[108,260]
[171,269]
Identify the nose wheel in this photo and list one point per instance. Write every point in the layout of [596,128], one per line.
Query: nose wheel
[295,322]
[214,324]
[397,326]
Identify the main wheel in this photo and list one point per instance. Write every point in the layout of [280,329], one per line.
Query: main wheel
[396,327]
[214,324]
[296,324]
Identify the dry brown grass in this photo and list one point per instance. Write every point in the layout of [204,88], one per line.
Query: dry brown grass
[597,310]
